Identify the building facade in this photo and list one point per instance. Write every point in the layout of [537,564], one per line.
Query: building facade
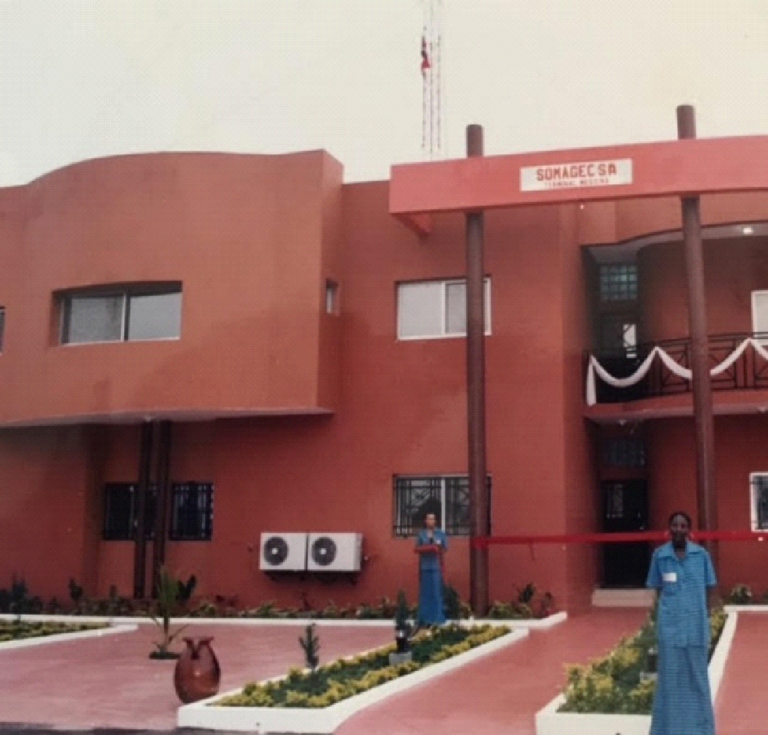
[253,346]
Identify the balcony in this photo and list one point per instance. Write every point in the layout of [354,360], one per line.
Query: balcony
[738,362]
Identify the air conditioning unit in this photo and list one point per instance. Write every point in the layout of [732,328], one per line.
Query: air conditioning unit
[283,552]
[334,552]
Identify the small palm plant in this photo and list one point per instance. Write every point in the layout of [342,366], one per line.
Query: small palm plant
[404,629]
[310,644]
[170,591]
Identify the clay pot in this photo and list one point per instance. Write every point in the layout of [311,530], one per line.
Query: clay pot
[197,673]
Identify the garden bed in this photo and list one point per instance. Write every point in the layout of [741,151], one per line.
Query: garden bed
[318,702]
[16,630]
[610,697]
[20,633]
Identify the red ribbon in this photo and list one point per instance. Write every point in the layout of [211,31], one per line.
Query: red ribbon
[484,542]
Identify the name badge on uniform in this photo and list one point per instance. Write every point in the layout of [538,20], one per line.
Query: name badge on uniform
[669,576]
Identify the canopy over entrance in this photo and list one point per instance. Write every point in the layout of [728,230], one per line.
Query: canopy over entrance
[671,168]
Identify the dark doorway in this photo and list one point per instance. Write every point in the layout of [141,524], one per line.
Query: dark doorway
[625,509]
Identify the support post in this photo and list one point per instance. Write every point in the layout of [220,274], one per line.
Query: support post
[697,318]
[162,502]
[478,486]
[140,543]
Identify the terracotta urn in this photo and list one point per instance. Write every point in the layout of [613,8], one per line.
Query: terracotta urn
[197,673]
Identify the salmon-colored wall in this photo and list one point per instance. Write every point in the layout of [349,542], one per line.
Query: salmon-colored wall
[44,508]
[739,450]
[245,235]
[254,240]
[732,270]
[401,409]
[580,485]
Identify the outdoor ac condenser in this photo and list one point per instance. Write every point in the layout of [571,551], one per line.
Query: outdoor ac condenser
[334,552]
[283,552]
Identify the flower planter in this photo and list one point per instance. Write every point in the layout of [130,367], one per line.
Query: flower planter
[551,722]
[206,715]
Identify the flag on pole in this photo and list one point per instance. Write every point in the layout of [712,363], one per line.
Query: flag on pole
[425,63]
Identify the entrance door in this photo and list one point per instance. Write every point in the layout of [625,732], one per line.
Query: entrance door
[625,509]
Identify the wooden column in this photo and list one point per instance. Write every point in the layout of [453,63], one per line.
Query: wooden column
[697,317]
[478,487]
[162,503]
[140,543]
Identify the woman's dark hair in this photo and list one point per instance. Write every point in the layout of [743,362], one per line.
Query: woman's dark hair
[680,513]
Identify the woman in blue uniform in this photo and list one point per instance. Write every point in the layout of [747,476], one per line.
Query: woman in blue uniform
[682,573]
[431,544]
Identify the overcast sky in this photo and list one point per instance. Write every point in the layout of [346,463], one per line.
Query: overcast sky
[86,78]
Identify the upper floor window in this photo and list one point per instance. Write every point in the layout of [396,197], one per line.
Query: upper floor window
[618,282]
[758,482]
[119,315]
[2,326]
[429,309]
[760,312]
[445,496]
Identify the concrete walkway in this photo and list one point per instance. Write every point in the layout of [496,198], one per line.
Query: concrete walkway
[741,701]
[110,683]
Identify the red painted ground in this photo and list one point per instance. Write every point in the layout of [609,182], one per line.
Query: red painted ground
[110,682]
[741,701]
[502,693]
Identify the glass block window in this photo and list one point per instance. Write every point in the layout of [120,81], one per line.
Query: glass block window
[445,496]
[623,451]
[618,282]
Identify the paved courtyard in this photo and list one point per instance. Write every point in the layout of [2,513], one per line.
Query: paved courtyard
[109,683]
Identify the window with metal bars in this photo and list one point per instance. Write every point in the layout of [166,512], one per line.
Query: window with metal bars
[618,282]
[445,496]
[120,511]
[759,491]
[192,512]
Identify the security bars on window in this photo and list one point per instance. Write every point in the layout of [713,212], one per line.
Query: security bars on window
[445,496]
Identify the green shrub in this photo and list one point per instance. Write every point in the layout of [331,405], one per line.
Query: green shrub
[741,594]
[22,629]
[614,684]
[344,678]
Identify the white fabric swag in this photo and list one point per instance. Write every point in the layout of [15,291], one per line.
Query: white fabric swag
[596,369]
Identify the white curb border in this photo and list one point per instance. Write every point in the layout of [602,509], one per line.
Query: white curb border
[551,722]
[533,624]
[324,721]
[62,637]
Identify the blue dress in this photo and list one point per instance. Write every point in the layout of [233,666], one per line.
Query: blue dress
[431,609]
[683,702]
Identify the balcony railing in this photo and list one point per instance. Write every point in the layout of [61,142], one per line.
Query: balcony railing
[748,371]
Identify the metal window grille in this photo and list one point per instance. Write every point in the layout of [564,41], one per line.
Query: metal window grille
[192,512]
[446,497]
[618,282]
[120,518]
[760,501]
[624,451]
